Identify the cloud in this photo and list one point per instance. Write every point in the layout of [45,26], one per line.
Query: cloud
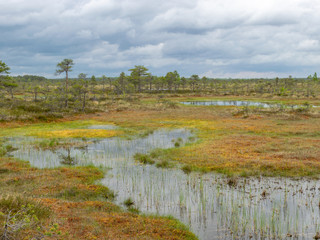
[235,37]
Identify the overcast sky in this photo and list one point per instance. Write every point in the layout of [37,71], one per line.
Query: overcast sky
[216,38]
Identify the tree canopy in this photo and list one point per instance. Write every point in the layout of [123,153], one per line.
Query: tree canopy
[65,66]
[138,75]
[4,68]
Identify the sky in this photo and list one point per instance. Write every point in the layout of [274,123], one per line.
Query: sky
[213,38]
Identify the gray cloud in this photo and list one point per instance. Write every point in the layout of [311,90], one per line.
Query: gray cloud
[219,38]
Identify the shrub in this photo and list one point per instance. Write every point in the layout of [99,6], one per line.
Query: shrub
[163,164]
[143,158]
[98,193]
[16,204]
[129,202]
[186,169]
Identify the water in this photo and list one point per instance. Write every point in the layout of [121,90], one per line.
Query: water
[108,152]
[243,104]
[106,127]
[211,205]
[231,103]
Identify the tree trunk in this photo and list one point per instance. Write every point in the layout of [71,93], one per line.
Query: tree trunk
[35,96]
[84,102]
[66,103]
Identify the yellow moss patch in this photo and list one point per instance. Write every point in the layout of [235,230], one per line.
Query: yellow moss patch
[79,133]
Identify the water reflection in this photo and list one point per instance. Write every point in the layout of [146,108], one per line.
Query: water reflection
[252,208]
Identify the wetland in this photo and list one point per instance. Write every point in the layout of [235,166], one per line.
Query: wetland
[211,204]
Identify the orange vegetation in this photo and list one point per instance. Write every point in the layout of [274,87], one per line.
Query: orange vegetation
[80,209]
[282,144]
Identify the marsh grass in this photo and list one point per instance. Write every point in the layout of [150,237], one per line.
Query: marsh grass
[163,164]
[6,149]
[187,169]
[225,143]
[289,111]
[68,160]
[86,194]
[128,202]
[134,210]
[16,203]
[159,157]
[228,145]
[143,158]
[232,181]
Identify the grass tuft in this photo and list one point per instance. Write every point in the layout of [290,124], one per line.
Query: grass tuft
[143,158]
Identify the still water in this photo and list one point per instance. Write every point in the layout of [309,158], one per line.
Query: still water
[211,205]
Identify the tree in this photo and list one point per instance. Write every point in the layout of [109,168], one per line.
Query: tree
[172,78]
[80,89]
[110,83]
[103,80]
[5,80]
[82,76]
[194,79]
[204,81]
[183,82]
[9,85]
[149,79]
[138,75]
[315,77]
[4,68]
[35,90]
[93,84]
[65,66]
[121,84]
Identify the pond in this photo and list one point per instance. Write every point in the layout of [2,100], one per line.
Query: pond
[213,206]
[240,104]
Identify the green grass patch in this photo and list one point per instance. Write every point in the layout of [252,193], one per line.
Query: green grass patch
[143,158]
[90,194]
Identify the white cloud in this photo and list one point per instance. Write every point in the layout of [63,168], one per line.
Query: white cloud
[236,37]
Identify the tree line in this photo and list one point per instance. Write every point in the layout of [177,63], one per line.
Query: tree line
[78,92]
